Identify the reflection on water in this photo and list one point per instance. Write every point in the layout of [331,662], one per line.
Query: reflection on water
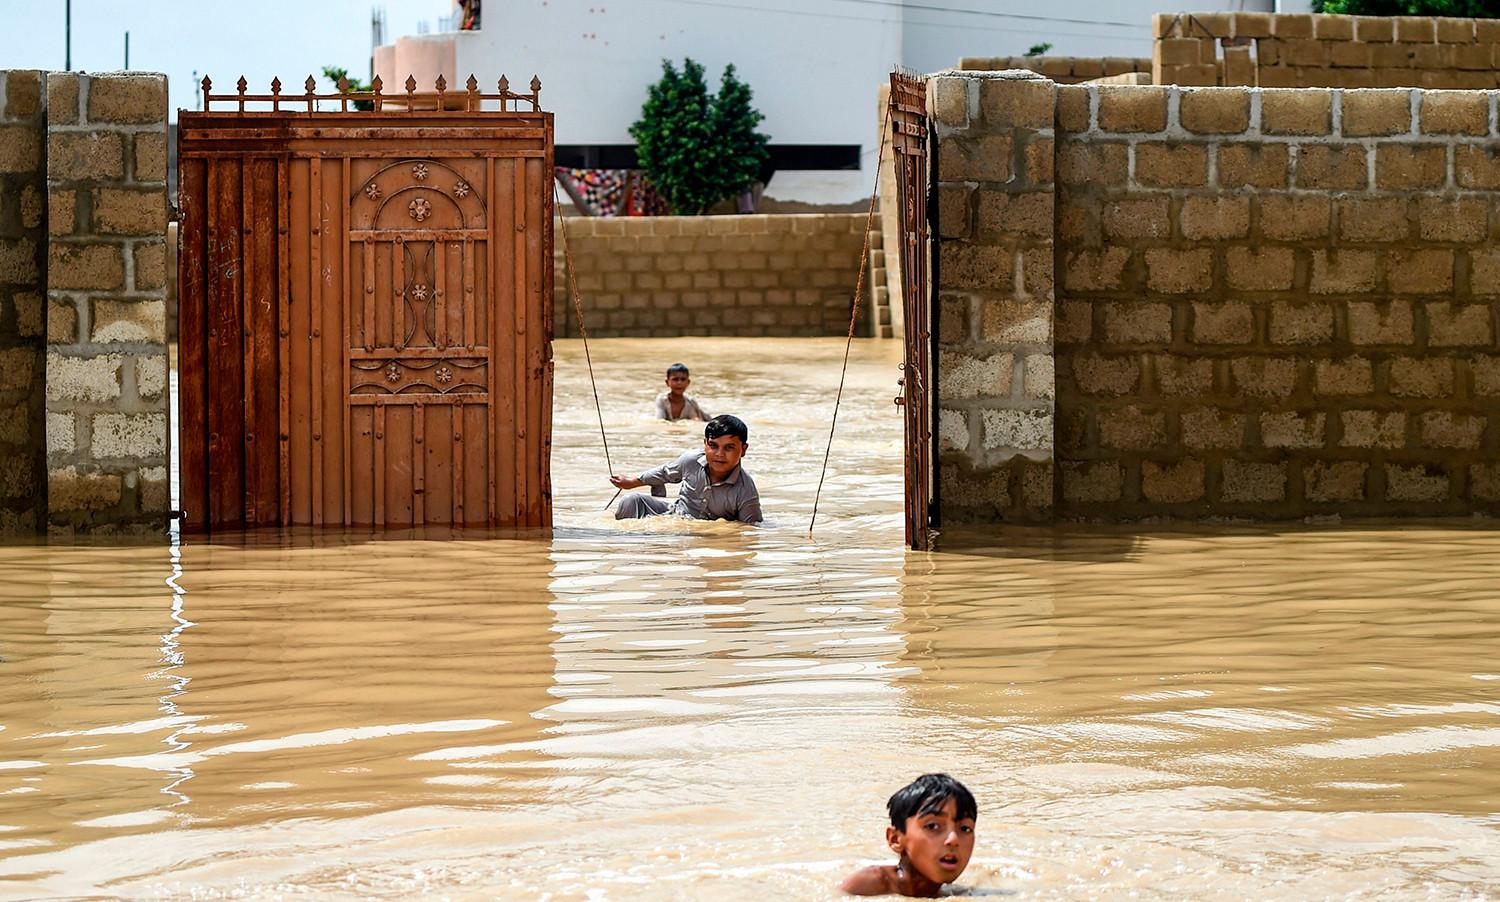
[689,710]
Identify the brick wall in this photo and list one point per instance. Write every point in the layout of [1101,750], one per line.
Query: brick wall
[1293,50]
[995,294]
[23,246]
[1270,303]
[106,302]
[773,274]
[1063,70]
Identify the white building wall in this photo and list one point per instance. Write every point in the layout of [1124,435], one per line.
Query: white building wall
[815,65]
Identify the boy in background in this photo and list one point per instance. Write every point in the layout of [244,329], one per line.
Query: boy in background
[932,830]
[674,404]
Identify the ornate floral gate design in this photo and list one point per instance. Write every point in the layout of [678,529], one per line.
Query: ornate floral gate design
[366,310]
[909,142]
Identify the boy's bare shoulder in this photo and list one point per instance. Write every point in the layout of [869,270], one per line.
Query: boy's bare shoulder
[874,880]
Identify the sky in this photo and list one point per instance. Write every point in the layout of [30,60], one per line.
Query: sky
[258,39]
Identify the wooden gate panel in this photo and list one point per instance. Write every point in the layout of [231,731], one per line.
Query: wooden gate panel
[376,322]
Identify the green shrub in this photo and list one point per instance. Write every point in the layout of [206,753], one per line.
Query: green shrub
[1464,9]
[698,149]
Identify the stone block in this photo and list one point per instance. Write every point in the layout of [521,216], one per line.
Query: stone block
[1447,429]
[1375,112]
[130,211]
[1291,429]
[1136,218]
[1407,166]
[29,316]
[1091,482]
[17,366]
[1093,270]
[1132,428]
[127,99]
[151,266]
[1171,165]
[1378,219]
[1301,323]
[1331,166]
[18,262]
[78,156]
[1222,322]
[1021,430]
[1373,429]
[1415,29]
[1087,162]
[1264,377]
[963,376]
[1072,108]
[1352,55]
[1173,271]
[1015,320]
[1415,483]
[62,212]
[62,98]
[1374,29]
[1249,482]
[976,266]
[950,101]
[1027,215]
[61,437]
[62,322]
[1259,269]
[1344,271]
[1206,427]
[1421,271]
[23,93]
[1452,325]
[1178,376]
[1344,377]
[150,158]
[1333,28]
[1463,220]
[1388,323]
[1476,166]
[1039,154]
[133,436]
[1175,483]
[1215,111]
[85,266]
[1286,217]
[1328,482]
[1253,165]
[69,490]
[1131,109]
[953,430]
[89,379]
[1214,218]
[1074,321]
[964,487]
[1039,377]
[150,376]
[154,490]
[1455,113]
[982,159]
[1098,375]
[1134,322]
[20,149]
[128,321]
[31,207]
[955,211]
[1414,377]
[1017,104]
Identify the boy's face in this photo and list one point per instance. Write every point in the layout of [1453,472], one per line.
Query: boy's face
[678,382]
[938,845]
[724,453]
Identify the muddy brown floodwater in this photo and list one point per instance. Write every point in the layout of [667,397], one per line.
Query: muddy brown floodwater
[701,711]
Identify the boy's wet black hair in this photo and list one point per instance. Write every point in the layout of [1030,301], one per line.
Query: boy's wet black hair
[927,794]
[727,424]
[677,368]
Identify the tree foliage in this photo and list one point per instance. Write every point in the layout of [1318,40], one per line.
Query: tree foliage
[1039,49]
[698,148]
[334,73]
[1465,9]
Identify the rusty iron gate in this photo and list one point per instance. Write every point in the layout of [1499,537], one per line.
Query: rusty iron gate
[366,308]
[909,143]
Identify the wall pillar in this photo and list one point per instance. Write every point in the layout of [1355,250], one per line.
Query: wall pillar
[994,234]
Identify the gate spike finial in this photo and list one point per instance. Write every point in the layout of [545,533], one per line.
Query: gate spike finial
[275,85]
[536,84]
[472,84]
[207,84]
[241,85]
[376,84]
[343,84]
[504,85]
[442,84]
[310,85]
[411,84]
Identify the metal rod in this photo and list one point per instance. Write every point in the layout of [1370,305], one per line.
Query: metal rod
[68,35]
[582,329]
[127,51]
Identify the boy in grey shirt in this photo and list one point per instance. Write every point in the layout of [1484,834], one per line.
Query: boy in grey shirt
[714,486]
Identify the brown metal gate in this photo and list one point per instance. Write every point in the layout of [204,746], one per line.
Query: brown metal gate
[909,143]
[366,309]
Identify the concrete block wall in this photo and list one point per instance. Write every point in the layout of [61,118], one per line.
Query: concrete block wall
[106,366]
[994,238]
[1277,303]
[1298,50]
[1063,70]
[23,249]
[764,274]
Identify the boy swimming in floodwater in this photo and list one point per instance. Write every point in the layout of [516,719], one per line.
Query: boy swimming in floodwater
[714,486]
[932,829]
[674,404]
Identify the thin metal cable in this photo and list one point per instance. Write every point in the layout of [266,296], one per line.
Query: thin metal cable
[859,285]
[582,329]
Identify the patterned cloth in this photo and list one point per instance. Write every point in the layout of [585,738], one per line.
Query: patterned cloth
[612,192]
